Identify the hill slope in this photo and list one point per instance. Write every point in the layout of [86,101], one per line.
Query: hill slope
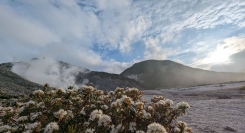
[11,83]
[107,81]
[166,74]
[66,73]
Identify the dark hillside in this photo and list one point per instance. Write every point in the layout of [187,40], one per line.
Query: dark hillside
[11,83]
[166,74]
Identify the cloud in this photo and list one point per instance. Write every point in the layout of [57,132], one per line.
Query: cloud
[154,50]
[67,31]
[226,55]
[70,30]
[47,70]
[237,64]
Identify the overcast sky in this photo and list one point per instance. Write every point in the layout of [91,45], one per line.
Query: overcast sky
[111,35]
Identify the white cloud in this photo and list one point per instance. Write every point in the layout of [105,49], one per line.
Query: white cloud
[17,29]
[67,30]
[222,54]
[154,49]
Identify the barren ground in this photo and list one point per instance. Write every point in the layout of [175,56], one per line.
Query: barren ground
[218,108]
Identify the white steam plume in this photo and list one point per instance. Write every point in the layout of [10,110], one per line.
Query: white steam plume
[47,70]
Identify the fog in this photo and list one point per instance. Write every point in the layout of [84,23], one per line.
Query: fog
[48,70]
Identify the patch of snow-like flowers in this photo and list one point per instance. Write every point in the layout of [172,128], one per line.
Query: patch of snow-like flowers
[90,110]
[52,126]
[156,128]
[60,114]
[104,120]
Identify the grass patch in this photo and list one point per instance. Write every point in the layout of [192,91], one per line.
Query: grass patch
[242,88]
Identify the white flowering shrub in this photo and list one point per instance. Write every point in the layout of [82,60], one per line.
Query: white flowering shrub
[88,110]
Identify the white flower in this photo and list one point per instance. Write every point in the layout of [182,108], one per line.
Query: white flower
[31,102]
[117,128]
[86,124]
[102,97]
[9,109]
[51,127]
[82,111]
[140,131]
[113,104]
[181,124]
[33,116]
[40,105]
[183,105]
[70,114]
[61,90]
[31,126]
[92,106]
[176,130]
[4,128]
[21,109]
[60,114]
[104,120]
[145,114]
[96,114]
[86,88]
[111,93]
[38,92]
[161,102]
[156,128]
[89,130]
[150,108]
[71,91]
[129,90]
[125,99]
[132,126]
[51,92]
[22,118]
[169,102]
[104,107]
[27,131]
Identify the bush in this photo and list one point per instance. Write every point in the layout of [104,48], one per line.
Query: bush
[242,88]
[88,110]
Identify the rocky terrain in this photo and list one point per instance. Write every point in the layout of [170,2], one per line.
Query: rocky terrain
[217,108]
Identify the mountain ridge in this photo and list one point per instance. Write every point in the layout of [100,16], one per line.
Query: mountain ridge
[168,74]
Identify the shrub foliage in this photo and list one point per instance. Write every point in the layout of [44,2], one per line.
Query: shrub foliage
[88,110]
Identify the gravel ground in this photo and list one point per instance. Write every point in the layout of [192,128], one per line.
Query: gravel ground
[216,108]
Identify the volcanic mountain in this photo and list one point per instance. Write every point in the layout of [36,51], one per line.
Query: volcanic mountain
[167,74]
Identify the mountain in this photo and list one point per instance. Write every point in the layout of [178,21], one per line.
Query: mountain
[63,74]
[167,74]
[107,81]
[11,83]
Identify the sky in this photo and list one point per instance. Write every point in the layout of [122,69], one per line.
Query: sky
[112,35]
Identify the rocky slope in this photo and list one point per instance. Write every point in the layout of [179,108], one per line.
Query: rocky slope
[13,84]
[167,74]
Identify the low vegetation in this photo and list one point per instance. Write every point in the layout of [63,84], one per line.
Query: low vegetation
[242,88]
[88,110]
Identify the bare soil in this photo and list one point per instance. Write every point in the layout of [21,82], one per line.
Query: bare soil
[216,108]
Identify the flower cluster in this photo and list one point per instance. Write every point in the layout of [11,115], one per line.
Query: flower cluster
[89,110]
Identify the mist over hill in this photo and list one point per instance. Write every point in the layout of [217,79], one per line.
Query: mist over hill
[61,75]
[12,83]
[167,74]
[150,74]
